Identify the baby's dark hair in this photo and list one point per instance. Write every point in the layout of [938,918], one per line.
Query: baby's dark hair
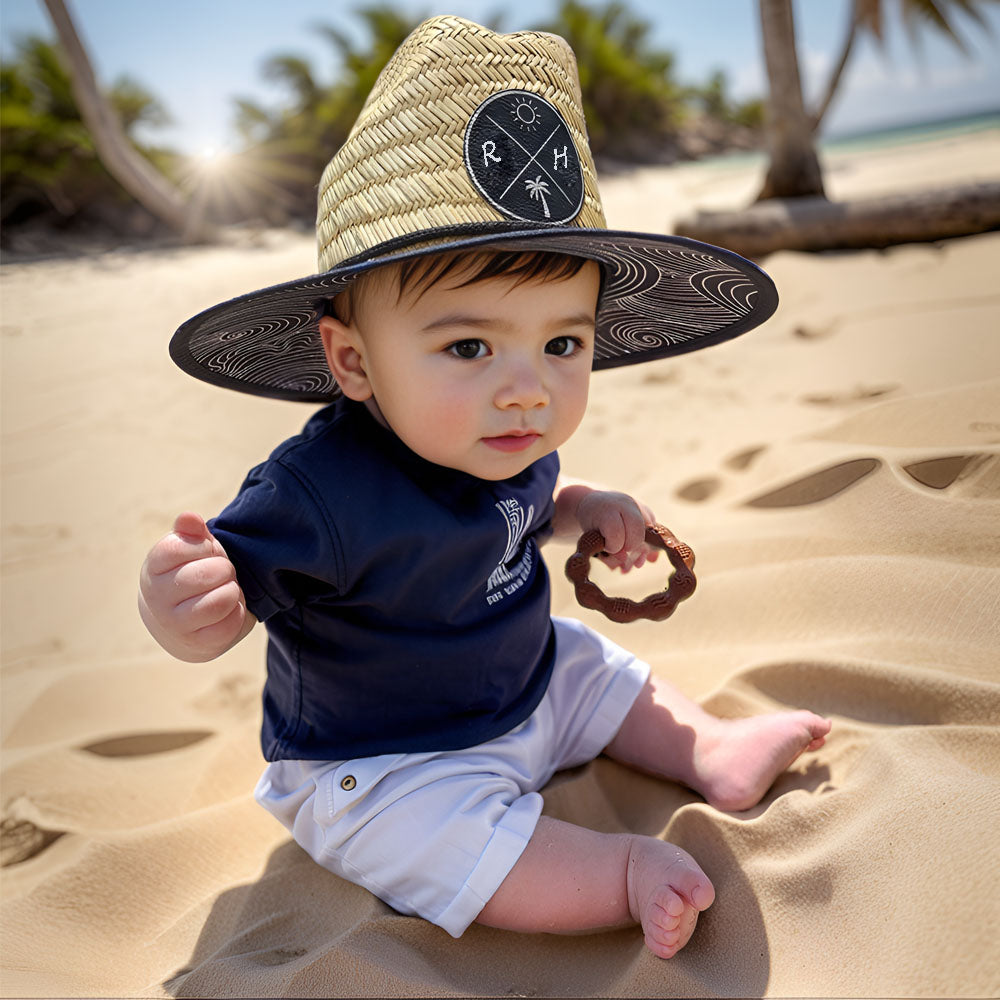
[421,273]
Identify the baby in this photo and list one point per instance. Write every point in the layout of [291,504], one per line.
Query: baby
[419,694]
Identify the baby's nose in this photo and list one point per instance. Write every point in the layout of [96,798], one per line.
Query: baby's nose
[522,386]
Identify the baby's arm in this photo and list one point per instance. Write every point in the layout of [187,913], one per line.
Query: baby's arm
[189,599]
[622,520]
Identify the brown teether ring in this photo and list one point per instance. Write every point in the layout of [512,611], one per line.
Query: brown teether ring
[657,607]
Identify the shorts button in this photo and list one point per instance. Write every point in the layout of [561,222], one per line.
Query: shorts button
[348,783]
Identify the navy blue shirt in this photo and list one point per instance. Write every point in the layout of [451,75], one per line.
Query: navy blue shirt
[406,604]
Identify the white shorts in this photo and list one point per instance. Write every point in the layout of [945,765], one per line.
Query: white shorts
[434,834]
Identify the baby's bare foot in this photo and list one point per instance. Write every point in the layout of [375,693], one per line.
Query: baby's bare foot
[666,892]
[738,760]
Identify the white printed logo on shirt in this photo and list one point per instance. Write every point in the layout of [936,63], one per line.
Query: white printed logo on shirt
[513,571]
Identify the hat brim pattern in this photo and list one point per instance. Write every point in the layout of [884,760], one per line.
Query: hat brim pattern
[661,296]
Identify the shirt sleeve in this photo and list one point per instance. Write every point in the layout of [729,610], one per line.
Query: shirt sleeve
[281,539]
[549,468]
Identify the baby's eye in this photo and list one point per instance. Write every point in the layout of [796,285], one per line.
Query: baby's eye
[563,347]
[468,349]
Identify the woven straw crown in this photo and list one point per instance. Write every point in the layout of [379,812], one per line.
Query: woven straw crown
[401,169]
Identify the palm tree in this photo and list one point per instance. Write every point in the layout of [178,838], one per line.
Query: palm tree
[793,169]
[124,162]
[48,165]
[538,189]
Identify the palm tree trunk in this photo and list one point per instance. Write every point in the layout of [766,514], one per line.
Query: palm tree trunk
[122,160]
[793,170]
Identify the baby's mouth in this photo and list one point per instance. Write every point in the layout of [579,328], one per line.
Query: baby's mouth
[512,442]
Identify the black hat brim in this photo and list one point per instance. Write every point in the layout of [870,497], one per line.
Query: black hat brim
[661,296]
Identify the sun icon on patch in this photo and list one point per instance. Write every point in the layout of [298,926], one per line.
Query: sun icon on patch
[525,115]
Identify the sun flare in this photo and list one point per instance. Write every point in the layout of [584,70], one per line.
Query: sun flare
[209,158]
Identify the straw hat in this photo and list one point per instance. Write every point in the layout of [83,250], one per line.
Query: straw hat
[472,139]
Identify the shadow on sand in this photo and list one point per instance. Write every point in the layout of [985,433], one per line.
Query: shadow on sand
[300,931]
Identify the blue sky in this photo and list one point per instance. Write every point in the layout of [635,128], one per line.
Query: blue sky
[197,55]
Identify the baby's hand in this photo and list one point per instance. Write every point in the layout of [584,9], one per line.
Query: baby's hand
[622,522]
[189,599]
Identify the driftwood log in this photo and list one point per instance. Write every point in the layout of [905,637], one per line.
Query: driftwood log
[819,224]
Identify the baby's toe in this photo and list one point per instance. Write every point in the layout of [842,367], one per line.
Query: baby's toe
[663,927]
[663,945]
[665,935]
[669,904]
[687,880]
[667,941]
[818,729]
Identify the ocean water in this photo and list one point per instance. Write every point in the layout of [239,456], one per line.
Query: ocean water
[900,135]
[883,138]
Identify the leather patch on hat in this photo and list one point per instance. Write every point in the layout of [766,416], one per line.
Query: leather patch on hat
[520,155]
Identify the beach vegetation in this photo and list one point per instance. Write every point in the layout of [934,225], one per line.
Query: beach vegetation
[51,171]
[290,145]
[631,99]
[59,167]
[716,104]
[637,110]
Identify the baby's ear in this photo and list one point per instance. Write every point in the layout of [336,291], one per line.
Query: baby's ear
[341,344]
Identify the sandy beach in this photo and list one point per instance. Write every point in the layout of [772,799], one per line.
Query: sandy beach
[837,473]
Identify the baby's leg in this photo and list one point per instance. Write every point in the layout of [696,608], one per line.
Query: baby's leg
[570,879]
[731,762]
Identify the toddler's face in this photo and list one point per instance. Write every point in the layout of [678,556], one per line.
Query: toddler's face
[485,378]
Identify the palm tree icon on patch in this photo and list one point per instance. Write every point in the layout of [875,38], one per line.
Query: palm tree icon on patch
[538,189]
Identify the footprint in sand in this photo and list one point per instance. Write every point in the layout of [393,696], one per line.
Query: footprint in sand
[859,394]
[940,473]
[21,840]
[934,473]
[699,490]
[743,459]
[661,377]
[145,744]
[817,486]
[815,332]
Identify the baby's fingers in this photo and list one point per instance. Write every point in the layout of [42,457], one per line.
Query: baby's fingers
[212,639]
[173,551]
[191,526]
[172,597]
[189,598]
[189,540]
[198,578]
[648,553]
[211,608]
